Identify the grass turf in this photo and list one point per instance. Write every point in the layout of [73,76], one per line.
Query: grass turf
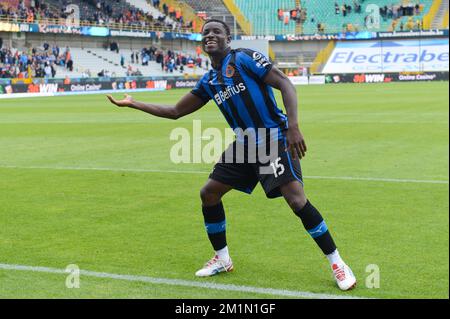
[149,223]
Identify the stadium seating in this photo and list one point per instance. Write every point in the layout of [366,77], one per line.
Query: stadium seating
[96,60]
[147,8]
[89,62]
[263,16]
[215,9]
[121,13]
[324,12]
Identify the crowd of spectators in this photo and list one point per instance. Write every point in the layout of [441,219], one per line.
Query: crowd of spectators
[169,60]
[36,62]
[35,11]
[172,61]
[299,15]
[100,12]
[393,12]
[346,9]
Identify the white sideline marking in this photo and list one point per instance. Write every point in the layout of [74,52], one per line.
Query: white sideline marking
[143,170]
[376,179]
[181,282]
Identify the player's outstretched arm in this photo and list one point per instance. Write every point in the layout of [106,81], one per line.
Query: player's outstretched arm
[186,105]
[278,80]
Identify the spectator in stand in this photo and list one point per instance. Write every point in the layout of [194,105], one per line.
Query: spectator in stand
[293,14]
[28,64]
[357,6]
[344,10]
[104,13]
[171,65]
[418,25]
[280,14]
[286,18]
[320,27]
[55,51]
[47,70]
[410,24]
[349,8]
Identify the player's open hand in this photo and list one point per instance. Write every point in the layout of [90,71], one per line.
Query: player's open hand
[296,143]
[127,101]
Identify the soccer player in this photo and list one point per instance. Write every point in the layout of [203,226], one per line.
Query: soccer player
[241,83]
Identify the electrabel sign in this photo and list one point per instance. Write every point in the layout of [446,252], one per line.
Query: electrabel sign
[389,56]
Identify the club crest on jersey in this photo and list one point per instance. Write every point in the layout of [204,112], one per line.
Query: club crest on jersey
[229,72]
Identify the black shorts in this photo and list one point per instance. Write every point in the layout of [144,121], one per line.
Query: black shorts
[272,172]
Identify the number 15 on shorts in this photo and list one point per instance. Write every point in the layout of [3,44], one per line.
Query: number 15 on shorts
[277,167]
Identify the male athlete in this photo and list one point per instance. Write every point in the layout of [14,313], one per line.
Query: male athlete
[241,84]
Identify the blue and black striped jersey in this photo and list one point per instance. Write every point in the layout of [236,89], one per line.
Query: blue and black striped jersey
[239,91]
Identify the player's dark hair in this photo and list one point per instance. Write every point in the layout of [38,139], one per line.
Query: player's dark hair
[227,28]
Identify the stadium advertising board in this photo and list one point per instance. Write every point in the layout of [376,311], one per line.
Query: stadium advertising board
[15,27]
[85,86]
[53,87]
[389,56]
[386,77]
[299,80]
[413,34]
[317,79]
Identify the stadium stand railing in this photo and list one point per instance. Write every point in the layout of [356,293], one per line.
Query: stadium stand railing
[445,21]
[429,17]
[146,7]
[439,19]
[215,9]
[87,14]
[240,18]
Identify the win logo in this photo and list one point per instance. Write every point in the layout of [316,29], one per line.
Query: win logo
[48,88]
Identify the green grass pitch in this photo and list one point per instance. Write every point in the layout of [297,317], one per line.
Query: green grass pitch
[83,182]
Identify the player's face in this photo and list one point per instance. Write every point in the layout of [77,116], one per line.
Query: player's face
[215,39]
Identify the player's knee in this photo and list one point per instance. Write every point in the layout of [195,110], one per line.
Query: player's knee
[209,197]
[297,203]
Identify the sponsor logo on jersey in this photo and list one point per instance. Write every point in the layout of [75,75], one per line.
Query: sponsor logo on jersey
[261,61]
[229,91]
